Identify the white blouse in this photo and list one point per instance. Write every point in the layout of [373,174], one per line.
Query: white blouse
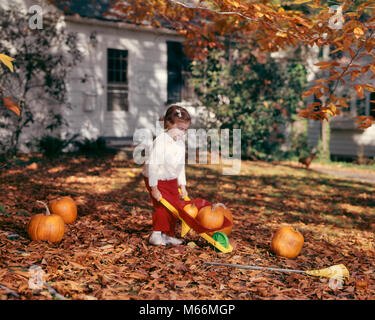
[166,160]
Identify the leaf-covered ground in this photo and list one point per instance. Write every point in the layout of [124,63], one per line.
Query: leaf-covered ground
[105,253]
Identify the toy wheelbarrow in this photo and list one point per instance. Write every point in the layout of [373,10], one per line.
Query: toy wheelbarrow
[219,240]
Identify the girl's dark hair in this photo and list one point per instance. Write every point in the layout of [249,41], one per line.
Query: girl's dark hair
[175,114]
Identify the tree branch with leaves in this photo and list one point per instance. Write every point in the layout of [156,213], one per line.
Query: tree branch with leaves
[276,25]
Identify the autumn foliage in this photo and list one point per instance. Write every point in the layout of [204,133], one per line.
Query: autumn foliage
[347,28]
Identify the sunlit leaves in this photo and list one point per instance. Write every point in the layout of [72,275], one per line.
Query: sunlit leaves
[7,61]
[301,1]
[105,254]
[364,122]
[358,32]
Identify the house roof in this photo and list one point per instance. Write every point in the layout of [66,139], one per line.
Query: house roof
[98,9]
[99,12]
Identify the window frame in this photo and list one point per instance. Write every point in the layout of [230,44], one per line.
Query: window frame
[119,87]
[371,105]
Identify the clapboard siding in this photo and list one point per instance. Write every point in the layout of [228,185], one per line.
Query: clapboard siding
[347,143]
[147,80]
[342,143]
[313,132]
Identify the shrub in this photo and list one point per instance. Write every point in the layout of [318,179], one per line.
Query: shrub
[52,146]
[94,147]
[257,94]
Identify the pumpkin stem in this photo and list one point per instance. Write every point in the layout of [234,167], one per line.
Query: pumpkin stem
[43,203]
[218,205]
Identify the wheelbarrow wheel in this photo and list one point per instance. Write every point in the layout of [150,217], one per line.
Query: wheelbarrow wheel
[222,238]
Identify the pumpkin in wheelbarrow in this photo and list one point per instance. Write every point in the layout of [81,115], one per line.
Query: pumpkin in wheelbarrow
[210,217]
[228,214]
[191,209]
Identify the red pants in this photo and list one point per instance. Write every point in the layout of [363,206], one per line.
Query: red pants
[162,219]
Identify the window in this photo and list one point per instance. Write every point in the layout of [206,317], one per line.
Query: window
[117,80]
[179,73]
[174,66]
[372,104]
[348,96]
[361,106]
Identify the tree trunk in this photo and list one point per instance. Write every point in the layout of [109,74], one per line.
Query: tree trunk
[325,125]
[325,140]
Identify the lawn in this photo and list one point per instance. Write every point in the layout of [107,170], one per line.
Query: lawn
[105,253]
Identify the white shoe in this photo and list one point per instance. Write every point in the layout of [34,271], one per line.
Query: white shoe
[156,239]
[171,240]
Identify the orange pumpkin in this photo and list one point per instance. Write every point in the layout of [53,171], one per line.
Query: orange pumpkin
[49,227]
[287,242]
[210,217]
[228,214]
[64,207]
[191,209]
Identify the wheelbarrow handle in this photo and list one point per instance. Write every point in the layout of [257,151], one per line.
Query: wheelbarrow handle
[169,206]
[185,198]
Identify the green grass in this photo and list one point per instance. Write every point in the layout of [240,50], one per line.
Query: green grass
[343,164]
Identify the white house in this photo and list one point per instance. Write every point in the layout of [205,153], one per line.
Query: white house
[128,75]
[346,142]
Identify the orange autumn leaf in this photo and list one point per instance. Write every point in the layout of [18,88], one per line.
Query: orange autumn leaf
[365,69]
[369,87]
[359,90]
[301,1]
[337,49]
[327,63]
[307,93]
[354,74]
[321,80]
[10,105]
[332,110]
[358,32]
[364,122]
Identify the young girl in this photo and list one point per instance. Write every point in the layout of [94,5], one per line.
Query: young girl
[164,173]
